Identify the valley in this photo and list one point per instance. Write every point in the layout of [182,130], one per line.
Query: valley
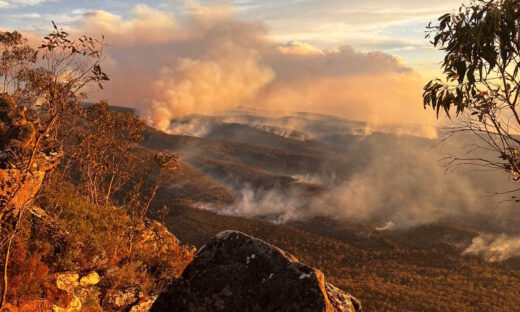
[267,185]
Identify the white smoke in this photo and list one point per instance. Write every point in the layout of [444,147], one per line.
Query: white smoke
[399,179]
[271,204]
[495,248]
[197,127]
[387,227]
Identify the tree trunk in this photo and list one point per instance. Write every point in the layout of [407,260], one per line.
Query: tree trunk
[6,73]
[6,265]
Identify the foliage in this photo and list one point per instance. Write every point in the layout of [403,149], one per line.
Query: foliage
[85,227]
[17,58]
[100,151]
[91,212]
[52,79]
[79,236]
[48,81]
[31,278]
[481,67]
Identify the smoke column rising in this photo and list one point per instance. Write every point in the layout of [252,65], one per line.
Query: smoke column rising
[210,60]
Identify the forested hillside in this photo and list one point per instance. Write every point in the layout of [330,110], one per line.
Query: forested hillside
[420,267]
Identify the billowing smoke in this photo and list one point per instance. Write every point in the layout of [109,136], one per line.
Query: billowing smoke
[197,127]
[495,248]
[270,204]
[401,183]
[377,178]
[200,86]
[209,60]
[404,183]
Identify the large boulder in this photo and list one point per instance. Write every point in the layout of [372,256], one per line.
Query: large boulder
[236,272]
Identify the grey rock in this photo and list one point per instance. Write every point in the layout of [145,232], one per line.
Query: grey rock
[236,272]
[122,299]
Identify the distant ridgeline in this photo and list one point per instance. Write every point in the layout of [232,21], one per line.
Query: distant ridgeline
[114,108]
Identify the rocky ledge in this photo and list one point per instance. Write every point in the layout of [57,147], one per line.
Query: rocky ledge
[236,272]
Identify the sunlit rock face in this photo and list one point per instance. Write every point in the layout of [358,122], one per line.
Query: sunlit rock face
[236,272]
[17,185]
[23,161]
[16,132]
[15,191]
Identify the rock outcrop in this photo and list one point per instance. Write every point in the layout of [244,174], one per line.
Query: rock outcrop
[69,282]
[16,132]
[88,291]
[18,183]
[18,189]
[236,272]
[90,279]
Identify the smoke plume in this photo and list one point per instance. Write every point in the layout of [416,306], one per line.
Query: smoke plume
[210,60]
[395,180]
[495,248]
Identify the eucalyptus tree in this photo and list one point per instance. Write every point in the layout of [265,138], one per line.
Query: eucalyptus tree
[481,82]
[47,84]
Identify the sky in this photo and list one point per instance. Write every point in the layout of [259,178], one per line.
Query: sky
[360,59]
[393,26]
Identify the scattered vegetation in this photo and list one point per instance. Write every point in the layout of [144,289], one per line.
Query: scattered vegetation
[89,214]
[102,181]
[385,272]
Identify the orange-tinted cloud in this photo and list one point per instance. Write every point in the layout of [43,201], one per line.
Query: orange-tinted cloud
[146,26]
[213,61]
[299,48]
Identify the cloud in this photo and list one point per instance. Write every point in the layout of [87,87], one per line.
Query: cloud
[495,248]
[211,60]
[299,48]
[346,21]
[390,26]
[17,3]
[146,26]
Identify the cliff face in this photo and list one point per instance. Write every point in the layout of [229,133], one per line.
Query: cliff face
[13,179]
[18,184]
[95,258]
[16,132]
[236,272]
